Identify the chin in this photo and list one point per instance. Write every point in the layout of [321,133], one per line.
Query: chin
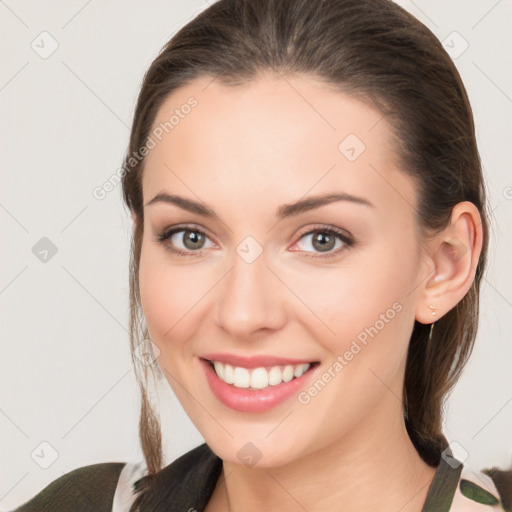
[256,453]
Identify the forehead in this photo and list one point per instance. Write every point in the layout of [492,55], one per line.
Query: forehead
[279,136]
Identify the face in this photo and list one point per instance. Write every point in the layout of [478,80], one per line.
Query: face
[264,291]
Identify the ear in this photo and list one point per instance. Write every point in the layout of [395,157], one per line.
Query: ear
[452,256]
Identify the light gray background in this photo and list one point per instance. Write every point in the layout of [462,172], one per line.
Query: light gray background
[65,375]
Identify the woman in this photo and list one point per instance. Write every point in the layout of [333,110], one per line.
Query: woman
[310,234]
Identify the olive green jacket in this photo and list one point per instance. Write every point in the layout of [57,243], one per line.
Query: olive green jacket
[188,483]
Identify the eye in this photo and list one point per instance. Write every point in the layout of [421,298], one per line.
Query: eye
[324,240]
[191,238]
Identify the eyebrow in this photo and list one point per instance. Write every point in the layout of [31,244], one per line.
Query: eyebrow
[286,210]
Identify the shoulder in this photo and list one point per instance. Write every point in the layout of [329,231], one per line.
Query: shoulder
[83,489]
[200,462]
[483,491]
[190,478]
[129,478]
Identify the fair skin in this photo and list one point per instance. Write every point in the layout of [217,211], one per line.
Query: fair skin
[245,152]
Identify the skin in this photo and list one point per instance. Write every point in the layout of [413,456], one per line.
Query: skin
[244,152]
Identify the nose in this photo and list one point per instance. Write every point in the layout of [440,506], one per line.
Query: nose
[251,299]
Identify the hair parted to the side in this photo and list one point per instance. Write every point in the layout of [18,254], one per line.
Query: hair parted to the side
[377,51]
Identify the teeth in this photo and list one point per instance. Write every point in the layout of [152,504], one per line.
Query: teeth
[219,370]
[275,376]
[288,373]
[299,370]
[242,377]
[229,374]
[258,378]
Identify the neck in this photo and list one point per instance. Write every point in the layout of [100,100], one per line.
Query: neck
[369,469]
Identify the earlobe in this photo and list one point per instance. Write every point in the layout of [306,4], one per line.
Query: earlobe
[454,255]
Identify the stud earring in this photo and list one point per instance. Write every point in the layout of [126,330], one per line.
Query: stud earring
[433,309]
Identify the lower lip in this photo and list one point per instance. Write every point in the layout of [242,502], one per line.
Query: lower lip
[246,400]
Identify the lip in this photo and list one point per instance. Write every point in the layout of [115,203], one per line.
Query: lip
[255,401]
[253,361]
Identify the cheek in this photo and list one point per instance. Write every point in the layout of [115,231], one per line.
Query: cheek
[163,294]
[369,302]
[171,299]
[370,310]
[152,283]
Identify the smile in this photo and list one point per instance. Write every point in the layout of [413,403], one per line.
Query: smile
[255,384]
[258,378]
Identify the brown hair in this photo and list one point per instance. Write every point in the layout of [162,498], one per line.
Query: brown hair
[377,51]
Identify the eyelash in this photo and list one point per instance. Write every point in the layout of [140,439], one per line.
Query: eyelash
[166,234]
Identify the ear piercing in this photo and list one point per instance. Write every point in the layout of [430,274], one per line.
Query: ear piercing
[433,309]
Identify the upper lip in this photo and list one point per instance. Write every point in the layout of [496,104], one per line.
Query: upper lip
[253,361]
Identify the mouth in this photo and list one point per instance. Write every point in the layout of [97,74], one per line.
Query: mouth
[254,387]
[261,377]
